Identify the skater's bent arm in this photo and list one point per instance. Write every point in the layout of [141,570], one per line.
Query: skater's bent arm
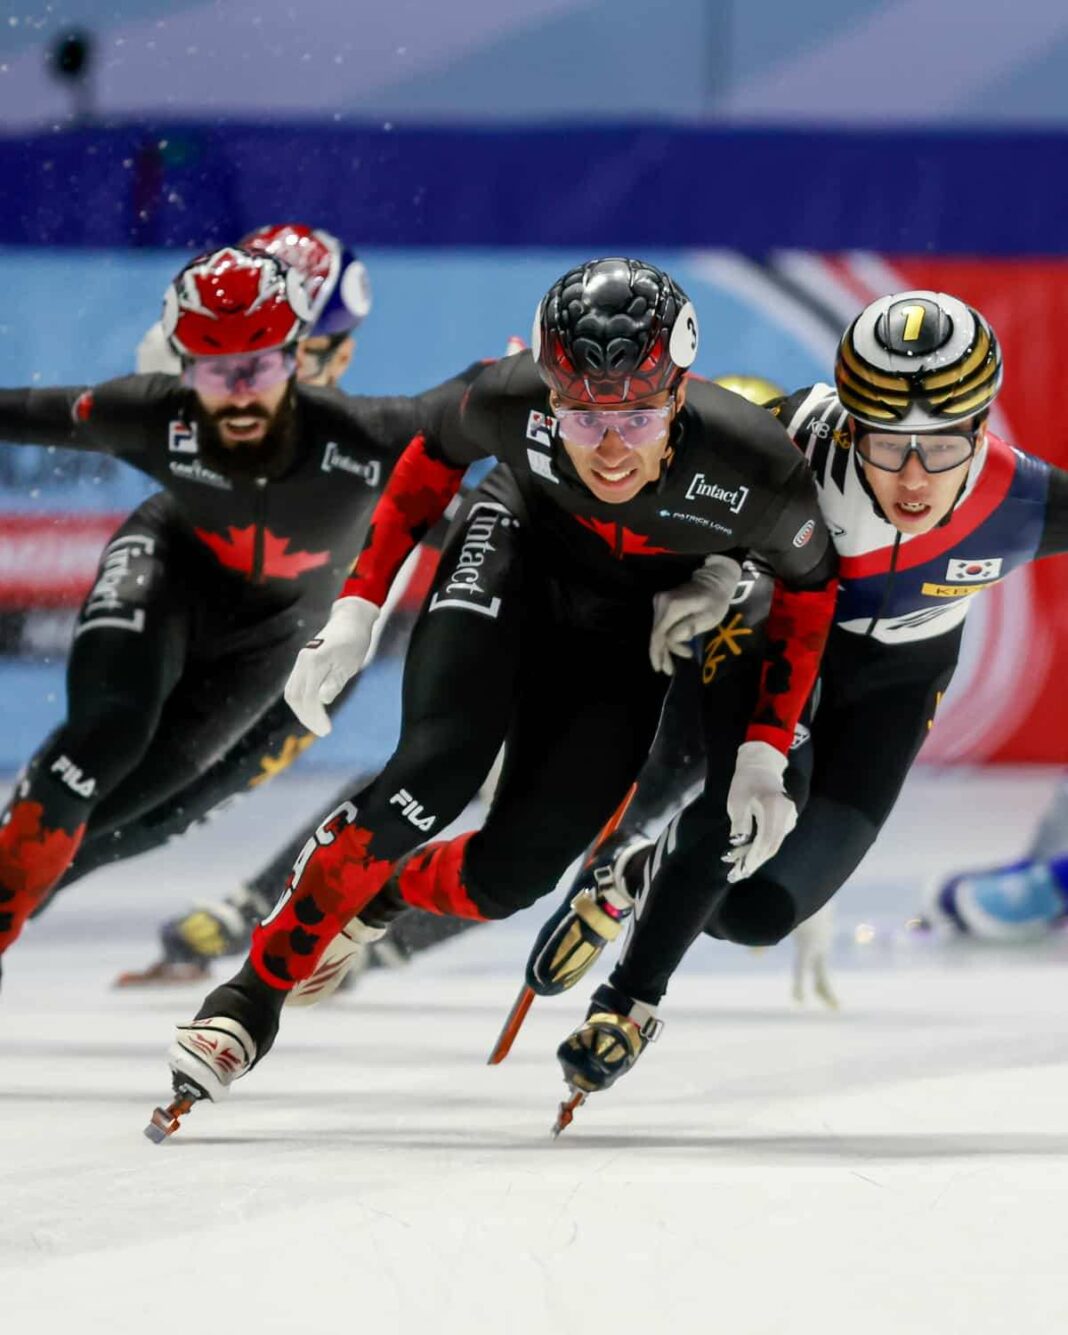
[426,478]
[1054,538]
[416,496]
[398,419]
[801,554]
[435,403]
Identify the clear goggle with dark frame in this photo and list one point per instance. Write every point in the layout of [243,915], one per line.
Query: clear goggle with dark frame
[585,428]
[937,451]
[254,372]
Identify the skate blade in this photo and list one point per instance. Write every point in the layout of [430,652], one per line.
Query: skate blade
[566,1113]
[826,993]
[165,973]
[166,1121]
[511,1026]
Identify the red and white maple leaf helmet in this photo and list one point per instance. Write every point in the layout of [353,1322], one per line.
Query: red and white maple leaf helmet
[335,280]
[234,301]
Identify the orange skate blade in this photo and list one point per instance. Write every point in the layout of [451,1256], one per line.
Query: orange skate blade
[566,1114]
[164,973]
[165,1121]
[511,1026]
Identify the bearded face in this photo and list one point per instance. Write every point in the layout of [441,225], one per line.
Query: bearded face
[250,438]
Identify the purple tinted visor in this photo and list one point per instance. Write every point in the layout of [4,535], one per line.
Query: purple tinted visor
[253,372]
[585,428]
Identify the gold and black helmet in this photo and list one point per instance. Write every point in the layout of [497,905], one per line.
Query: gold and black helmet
[917,361]
[752,387]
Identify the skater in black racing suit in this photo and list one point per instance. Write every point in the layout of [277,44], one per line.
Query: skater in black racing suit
[339,292]
[207,591]
[609,539]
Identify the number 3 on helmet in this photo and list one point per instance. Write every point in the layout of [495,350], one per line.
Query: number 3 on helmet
[613,331]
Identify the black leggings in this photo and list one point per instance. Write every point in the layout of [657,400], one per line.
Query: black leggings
[877,706]
[502,653]
[173,662]
[852,753]
[260,753]
[565,684]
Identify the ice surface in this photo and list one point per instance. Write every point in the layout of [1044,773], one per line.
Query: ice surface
[901,1166]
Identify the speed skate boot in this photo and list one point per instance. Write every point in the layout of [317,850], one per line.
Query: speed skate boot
[233,1030]
[1019,902]
[615,1033]
[571,940]
[206,933]
[346,955]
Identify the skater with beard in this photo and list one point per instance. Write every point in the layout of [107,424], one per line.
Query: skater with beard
[339,295]
[207,592]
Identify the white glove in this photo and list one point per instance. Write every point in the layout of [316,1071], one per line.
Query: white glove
[694,607]
[327,662]
[761,813]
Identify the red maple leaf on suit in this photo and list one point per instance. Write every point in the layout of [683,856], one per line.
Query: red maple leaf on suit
[237,551]
[32,855]
[633,544]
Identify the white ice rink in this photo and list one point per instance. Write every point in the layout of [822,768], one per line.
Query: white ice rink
[899,1167]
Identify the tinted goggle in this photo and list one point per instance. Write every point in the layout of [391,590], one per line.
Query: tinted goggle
[937,451]
[251,372]
[635,427]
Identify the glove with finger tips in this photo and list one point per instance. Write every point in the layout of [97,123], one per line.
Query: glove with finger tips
[327,662]
[691,609]
[761,813]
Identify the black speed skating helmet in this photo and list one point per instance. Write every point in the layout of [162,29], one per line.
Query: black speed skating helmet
[613,331]
[917,361]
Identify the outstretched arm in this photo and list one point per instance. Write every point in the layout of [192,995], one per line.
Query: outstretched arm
[113,417]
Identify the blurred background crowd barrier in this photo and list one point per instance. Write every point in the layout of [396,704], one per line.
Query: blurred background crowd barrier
[786,163]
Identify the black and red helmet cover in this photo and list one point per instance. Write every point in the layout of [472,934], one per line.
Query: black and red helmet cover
[613,331]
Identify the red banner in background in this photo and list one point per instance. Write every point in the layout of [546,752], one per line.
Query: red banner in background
[1010,703]
[49,560]
[1006,702]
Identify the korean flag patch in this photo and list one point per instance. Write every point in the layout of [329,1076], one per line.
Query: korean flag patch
[972,572]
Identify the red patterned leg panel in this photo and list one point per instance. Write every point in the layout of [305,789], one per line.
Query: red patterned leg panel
[32,859]
[432,879]
[334,877]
